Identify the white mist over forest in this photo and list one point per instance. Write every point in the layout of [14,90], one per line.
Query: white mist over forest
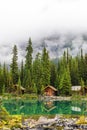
[58,24]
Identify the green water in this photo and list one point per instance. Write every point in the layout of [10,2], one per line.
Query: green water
[33,107]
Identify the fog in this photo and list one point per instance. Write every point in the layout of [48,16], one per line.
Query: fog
[21,19]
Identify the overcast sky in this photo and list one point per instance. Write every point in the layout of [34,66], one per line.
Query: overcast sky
[21,19]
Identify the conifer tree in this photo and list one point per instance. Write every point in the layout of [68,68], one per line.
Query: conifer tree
[22,73]
[65,83]
[37,73]
[28,66]
[14,65]
[85,69]
[45,67]
[82,86]
[74,72]
[29,51]
[5,77]
[81,66]
[53,75]
[1,79]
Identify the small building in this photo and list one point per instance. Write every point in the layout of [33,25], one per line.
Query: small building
[76,89]
[50,91]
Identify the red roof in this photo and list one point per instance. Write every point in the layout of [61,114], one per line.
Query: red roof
[51,87]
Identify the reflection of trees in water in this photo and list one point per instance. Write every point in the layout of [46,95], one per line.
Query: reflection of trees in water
[76,107]
[64,107]
[84,107]
[80,107]
[49,106]
[44,107]
[14,107]
[58,107]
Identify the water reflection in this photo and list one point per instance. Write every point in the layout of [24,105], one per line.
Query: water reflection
[45,107]
[49,106]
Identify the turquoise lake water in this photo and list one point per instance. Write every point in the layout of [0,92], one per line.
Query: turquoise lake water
[33,107]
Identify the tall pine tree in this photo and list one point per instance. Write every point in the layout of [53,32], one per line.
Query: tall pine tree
[46,67]
[14,65]
[22,73]
[28,66]
[65,83]
[37,73]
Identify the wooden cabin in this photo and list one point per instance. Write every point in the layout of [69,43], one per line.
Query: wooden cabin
[76,88]
[79,90]
[50,91]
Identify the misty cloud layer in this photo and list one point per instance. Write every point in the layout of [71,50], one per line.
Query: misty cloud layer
[55,44]
[45,21]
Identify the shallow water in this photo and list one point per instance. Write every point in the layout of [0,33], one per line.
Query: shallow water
[34,107]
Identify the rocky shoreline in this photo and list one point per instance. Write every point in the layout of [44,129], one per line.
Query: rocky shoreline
[54,98]
[56,123]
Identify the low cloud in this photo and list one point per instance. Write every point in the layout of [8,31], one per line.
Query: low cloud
[55,44]
[20,19]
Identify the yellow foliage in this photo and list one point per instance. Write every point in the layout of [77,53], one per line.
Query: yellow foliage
[3,111]
[81,120]
[2,123]
[15,121]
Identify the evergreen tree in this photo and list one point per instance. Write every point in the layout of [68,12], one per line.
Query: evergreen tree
[5,77]
[14,65]
[19,86]
[74,72]
[37,73]
[28,66]
[82,86]
[22,73]
[45,67]
[64,60]
[81,66]
[27,80]
[85,69]
[29,51]
[53,75]
[1,79]
[65,83]
[67,56]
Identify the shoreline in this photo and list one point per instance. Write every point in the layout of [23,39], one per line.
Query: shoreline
[56,98]
[59,122]
[41,97]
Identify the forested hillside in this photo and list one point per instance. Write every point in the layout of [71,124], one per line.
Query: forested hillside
[35,74]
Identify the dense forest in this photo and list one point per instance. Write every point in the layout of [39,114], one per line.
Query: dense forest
[35,74]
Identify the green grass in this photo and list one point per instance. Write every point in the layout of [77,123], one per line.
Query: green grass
[76,97]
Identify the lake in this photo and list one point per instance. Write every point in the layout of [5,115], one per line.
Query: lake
[34,107]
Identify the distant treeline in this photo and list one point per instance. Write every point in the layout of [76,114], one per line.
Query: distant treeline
[34,75]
